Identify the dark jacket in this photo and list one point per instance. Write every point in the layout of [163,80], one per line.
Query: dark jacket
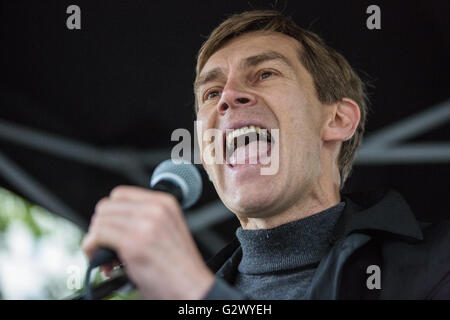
[376,228]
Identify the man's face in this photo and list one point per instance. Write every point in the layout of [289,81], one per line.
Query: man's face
[257,79]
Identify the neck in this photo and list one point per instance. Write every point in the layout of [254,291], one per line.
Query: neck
[317,200]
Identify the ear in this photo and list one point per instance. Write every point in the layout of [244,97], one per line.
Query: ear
[341,121]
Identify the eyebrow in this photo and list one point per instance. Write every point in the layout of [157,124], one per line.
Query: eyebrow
[209,76]
[248,62]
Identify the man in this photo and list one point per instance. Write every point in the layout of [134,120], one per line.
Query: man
[299,237]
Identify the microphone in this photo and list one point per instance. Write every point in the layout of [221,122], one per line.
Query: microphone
[183,181]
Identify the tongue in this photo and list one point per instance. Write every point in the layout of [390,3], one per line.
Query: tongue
[255,152]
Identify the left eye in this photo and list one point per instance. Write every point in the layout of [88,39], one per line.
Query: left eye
[265,75]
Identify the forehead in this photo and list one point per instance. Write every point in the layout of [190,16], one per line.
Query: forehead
[253,43]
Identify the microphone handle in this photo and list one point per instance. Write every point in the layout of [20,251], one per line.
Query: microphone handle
[106,255]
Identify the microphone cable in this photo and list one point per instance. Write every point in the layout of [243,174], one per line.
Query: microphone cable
[101,257]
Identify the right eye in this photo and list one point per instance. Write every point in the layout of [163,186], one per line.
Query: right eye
[211,94]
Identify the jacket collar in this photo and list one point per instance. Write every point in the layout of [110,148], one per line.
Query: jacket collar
[377,211]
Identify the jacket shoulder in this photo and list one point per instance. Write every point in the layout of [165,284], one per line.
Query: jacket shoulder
[414,269]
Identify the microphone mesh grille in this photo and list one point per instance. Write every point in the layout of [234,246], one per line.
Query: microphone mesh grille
[188,179]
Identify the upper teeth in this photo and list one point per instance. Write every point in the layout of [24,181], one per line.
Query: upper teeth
[247,130]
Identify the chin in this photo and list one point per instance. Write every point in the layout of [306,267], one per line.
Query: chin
[250,201]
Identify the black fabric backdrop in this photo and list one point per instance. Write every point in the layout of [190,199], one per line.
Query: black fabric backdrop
[125,81]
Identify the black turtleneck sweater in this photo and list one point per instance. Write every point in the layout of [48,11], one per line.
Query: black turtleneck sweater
[279,263]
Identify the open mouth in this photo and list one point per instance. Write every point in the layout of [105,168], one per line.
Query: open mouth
[246,144]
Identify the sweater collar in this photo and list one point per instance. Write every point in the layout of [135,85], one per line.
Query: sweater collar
[297,244]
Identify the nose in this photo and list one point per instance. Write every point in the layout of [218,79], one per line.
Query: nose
[234,96]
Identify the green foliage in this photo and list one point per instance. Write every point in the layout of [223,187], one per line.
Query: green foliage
[14,208]
[133,295]
[44,229]
[50,245]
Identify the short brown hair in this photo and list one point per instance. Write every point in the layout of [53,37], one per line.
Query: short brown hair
[334,79]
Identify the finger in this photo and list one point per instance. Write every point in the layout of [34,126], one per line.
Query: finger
[141,194]
[128,211]
[132,209]
[118,207]
[107,269]
[109,235]
[120,222]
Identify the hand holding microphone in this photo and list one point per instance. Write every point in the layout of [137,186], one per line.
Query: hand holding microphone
[147,231]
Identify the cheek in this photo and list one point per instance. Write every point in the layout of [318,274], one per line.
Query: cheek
[205,120]
[299,129]
[292,113]
[300,111]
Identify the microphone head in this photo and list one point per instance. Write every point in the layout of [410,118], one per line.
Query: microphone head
[184,175]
